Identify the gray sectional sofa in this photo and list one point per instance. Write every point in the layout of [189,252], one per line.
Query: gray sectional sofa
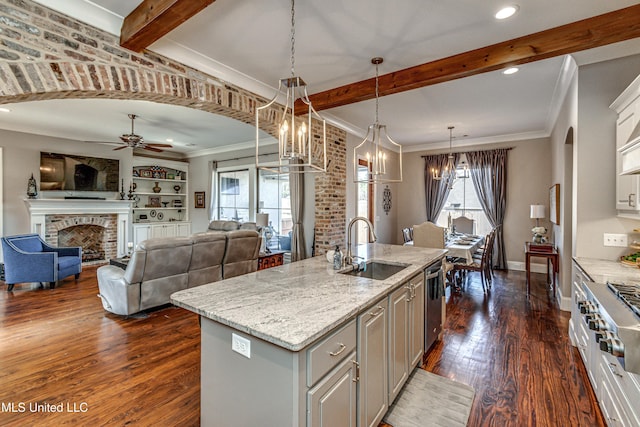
[162,266]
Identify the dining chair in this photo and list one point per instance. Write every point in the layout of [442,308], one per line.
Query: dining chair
[482,266]
[430,235]
[464,225]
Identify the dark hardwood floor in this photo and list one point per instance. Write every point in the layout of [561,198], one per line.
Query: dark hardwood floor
[59,347]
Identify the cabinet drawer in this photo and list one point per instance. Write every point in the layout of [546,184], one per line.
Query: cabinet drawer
[325,355]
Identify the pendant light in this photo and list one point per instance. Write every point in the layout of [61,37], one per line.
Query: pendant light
[299,148]
[449,172]
[382,155]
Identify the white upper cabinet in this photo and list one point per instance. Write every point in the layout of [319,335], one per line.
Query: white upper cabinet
[627,106]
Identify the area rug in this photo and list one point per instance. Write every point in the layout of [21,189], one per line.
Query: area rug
[431,400]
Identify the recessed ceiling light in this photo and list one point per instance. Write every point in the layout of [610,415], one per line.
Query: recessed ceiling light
[511,70]
[4,110]
[506,12]
[169,139]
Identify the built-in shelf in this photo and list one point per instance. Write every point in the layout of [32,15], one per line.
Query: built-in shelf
[160,179]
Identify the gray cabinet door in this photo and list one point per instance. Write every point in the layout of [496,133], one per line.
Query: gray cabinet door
[416,322]
[372,357]
[332,402]
[398,340]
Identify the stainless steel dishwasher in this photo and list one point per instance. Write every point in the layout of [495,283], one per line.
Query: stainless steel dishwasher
[434,292]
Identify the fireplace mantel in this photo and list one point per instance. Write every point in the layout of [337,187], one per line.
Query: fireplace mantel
[40,208]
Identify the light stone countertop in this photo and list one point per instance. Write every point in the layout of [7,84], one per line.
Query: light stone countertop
[601,270]
[295,304]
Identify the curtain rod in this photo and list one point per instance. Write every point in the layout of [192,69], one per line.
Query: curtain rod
[463,152]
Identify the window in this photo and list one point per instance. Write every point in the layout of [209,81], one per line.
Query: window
[275,199]
[463,201]
[233,195]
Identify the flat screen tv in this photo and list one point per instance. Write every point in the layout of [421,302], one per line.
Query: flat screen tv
[67,172]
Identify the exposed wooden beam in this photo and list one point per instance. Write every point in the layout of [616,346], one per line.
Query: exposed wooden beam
[616,26]
[153,19]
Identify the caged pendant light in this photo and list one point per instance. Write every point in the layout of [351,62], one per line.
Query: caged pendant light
[383,156]
[449,172]
[297,152]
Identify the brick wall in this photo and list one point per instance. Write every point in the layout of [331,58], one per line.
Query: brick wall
[47,55]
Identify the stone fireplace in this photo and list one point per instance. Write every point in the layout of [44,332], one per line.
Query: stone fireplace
[100,227]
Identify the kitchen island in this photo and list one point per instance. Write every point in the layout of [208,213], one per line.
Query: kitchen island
[278,344]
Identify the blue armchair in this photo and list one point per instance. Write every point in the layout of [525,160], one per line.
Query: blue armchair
[27,258]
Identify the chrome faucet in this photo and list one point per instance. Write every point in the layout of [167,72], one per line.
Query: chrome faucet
[348,258]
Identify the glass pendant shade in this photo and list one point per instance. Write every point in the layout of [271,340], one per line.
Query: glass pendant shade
[300,148]
[381,154]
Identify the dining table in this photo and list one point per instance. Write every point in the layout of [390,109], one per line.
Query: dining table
[460,245]
[463,246]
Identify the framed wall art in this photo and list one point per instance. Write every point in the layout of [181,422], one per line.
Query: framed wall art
[199,199]
[554,204]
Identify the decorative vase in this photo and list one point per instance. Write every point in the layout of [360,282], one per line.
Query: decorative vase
[157,188]
[177,188]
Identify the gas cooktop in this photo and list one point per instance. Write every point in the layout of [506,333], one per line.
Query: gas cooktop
[629,293]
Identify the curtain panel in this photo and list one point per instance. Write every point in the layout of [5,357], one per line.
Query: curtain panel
[489,175]
[436,191]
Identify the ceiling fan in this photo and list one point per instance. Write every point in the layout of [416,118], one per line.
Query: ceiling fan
[132,140]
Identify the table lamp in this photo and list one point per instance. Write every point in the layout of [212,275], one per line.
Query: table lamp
[262,220]
[537,212]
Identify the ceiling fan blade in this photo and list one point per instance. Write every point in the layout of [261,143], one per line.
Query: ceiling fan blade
[121,148]
[157,150]
[153,144]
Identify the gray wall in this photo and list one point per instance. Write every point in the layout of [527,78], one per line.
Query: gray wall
[21,158]
[594,209]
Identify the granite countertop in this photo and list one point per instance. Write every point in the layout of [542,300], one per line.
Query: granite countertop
[295,304]
[601,270]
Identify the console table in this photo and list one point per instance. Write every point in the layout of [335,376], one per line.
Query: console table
[273,259]
[548,251]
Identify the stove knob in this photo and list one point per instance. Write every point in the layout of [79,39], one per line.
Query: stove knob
[597,323]
[604,335]
[587,307]
[613,346]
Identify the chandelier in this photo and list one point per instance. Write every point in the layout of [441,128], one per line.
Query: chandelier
[381,154]
[300,147]
[449,172]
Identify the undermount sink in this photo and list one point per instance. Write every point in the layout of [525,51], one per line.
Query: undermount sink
[377,270]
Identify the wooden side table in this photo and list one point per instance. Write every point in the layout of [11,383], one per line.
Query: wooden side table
[548,251]
[273,259]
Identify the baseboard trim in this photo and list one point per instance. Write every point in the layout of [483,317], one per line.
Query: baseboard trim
[521,266]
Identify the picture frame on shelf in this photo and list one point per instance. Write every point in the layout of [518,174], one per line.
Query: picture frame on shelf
[154,201]
[199,199]
[146,173]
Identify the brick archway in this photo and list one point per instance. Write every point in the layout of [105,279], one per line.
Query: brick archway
[36,81]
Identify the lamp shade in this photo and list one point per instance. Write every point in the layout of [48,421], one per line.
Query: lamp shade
[537,211]
[262,219]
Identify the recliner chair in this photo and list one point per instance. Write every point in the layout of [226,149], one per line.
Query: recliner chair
[28,258]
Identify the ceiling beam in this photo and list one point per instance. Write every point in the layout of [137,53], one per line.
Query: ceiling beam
[616,26]
[153,19]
